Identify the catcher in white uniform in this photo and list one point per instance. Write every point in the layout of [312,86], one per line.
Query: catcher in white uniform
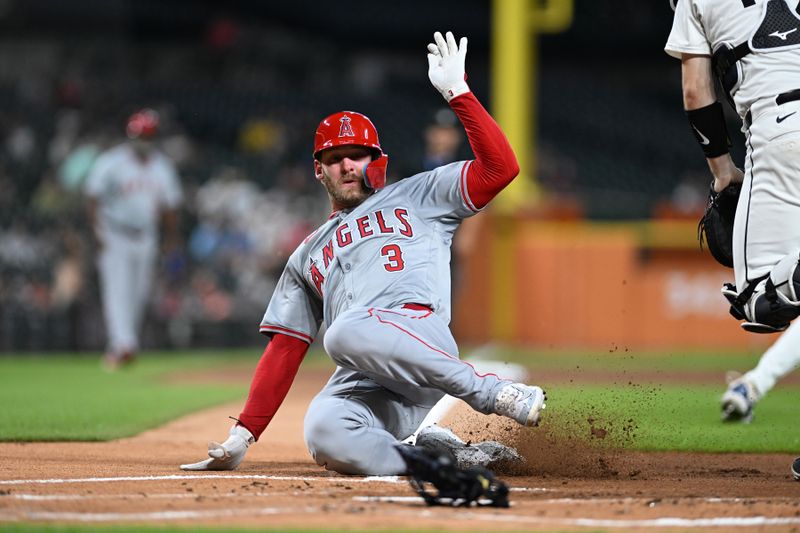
[376,273]
[752,47]
[132,188]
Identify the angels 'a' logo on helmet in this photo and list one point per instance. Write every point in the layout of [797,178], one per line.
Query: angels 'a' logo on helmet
[345,128]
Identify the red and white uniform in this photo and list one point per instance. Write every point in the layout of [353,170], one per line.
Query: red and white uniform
[131,193]
[378,277]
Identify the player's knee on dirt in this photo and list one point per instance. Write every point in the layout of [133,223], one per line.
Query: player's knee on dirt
[339,444]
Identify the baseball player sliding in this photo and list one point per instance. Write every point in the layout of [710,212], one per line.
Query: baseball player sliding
[377,274]
[753,48]
[131,188]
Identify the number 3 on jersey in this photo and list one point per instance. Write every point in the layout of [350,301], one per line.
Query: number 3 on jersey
[394,258]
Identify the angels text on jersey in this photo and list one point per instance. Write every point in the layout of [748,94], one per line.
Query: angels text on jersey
[377,224]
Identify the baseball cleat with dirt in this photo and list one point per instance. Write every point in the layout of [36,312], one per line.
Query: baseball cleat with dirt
[486,454]
[523,403]
[738,401]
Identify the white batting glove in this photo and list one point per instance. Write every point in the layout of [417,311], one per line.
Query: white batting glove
[446,65]
[228,455]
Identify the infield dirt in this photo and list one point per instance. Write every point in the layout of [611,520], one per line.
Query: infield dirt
[566,485]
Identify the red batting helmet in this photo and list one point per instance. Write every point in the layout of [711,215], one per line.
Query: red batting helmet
[348,128]
[142,124]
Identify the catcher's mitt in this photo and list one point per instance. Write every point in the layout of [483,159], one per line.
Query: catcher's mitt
[457,487]
[716,226]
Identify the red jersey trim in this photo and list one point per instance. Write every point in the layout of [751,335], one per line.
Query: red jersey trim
[285,331]
[465,190]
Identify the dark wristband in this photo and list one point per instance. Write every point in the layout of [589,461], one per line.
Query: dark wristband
[710,130]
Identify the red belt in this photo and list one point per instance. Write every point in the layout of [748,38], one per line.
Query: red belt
[418,307]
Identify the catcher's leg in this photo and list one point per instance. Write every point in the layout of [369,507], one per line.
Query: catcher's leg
[780,359]
[354,424]
[769,304]
[767,226]
[745,391]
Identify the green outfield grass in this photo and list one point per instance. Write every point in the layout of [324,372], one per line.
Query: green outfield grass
[72,398]
[65,397]
[669,417]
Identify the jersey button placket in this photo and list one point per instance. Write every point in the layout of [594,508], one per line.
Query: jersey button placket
[349,294]
[347,280]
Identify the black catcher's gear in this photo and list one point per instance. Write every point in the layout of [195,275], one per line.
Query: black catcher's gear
[716,226]
[456,487]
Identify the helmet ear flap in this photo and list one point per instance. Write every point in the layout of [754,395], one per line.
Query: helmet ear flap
[375,172]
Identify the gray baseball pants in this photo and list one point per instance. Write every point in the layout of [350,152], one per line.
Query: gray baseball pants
[393,366]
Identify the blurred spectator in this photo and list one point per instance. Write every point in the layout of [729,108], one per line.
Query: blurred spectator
[690,195]
[262,137]
[20,143]
[687,200]
[442,140]
[68,291]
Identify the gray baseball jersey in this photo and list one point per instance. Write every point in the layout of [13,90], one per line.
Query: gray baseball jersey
[130,193]
[392,249]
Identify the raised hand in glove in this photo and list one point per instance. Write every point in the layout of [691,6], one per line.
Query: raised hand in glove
[446,65]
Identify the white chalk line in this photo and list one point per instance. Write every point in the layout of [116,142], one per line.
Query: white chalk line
[388,499]
[727,521]
[175,496]
[593,501]
[134,496]
[157,515]
[244,512]
[385,499]
[495,516]
[177,477]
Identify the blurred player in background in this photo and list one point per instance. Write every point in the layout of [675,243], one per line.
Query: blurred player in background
[753,48]
[133,192]
[377,274]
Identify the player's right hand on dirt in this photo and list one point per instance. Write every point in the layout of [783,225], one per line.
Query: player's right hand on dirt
[446,65]
[225,456]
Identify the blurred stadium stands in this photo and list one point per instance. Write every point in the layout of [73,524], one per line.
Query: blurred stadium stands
[241,87]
